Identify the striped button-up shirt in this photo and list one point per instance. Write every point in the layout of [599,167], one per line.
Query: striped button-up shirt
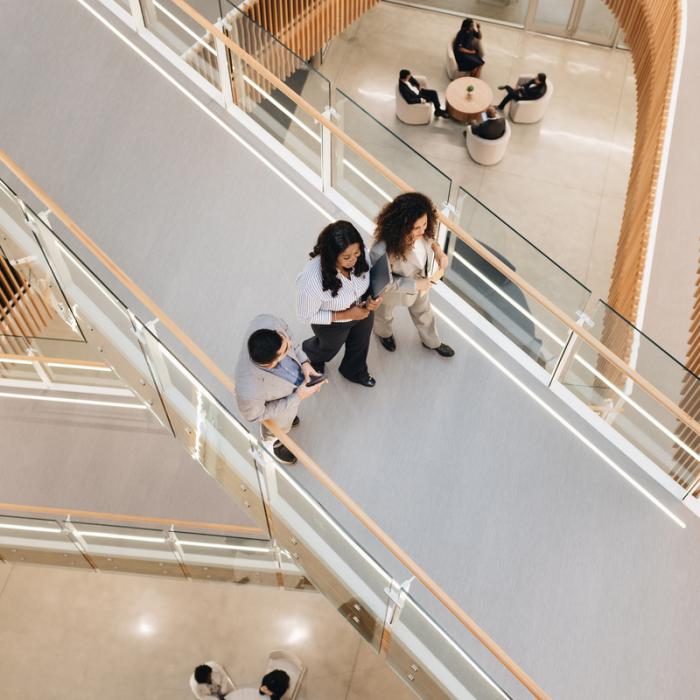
[315,304]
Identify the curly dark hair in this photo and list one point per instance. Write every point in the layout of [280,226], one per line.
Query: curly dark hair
[396,220]
[332,241]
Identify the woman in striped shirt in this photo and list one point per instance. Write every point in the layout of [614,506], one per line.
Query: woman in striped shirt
[332,296]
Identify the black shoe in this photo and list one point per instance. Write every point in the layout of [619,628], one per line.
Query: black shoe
[296,421]
[283,454]
[444,114]
[389,343]
[366,380]
[502,87]
[443,350]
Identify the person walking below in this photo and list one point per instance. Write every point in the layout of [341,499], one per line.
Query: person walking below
[271,379]
[406,233]
[332,296]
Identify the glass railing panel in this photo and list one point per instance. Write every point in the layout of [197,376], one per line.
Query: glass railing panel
[129,549]
[184,36]
[666,372]
[213,438]
[230,559]
[106,321]
[293,577]
[37,541]
[511,11]
[45,373]
[18,370]
[431,663]
[32,304]
[82,375]
[336,565]
[362,184]
[522,319]
[279,115]
[632,411]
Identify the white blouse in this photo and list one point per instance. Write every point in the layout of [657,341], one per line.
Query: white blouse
[315,304]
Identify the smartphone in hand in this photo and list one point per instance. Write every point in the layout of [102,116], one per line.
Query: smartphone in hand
[316,380]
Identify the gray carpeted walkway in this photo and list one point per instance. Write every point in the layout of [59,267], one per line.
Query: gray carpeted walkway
[585,583]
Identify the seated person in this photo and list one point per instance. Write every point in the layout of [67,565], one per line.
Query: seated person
[273,685]
[529,89]
[210,682]
[412,92]
[492,126]
[467,48]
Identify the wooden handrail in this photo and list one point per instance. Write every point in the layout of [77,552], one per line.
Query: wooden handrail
[309,464]
[117,271]
[7,357]
[409,563]
[399,553]
[492,259]
[121,517]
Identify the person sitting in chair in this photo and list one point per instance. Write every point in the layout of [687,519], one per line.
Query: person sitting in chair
[273,686]
[492,125]
[210,682]
[527,89]
[413,93]
[467,48]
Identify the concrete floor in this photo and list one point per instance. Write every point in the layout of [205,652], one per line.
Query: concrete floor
[583,580]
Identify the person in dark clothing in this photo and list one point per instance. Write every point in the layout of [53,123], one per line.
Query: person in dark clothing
[493,127]
[531,89]
[275,684]
[413,93]
[467,48]
[332,297]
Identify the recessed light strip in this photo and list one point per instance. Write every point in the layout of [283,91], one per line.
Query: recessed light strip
[649,496]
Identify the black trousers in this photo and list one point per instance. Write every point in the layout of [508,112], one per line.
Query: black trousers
[328,339]
[511,94]
[431,96]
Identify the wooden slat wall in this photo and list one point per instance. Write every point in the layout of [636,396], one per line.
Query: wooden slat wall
[687,468]
[23,313]
[652,31]
[306,26]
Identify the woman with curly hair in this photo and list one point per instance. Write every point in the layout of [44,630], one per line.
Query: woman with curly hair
[331,295]
[406,230]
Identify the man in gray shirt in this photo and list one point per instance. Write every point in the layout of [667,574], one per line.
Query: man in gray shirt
[271,379]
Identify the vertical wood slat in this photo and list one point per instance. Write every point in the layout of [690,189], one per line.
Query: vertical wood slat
[10,296]
[652,29]
[28,299]
[305,26]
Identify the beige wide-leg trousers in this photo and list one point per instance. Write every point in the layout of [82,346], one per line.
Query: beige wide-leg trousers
[418,306]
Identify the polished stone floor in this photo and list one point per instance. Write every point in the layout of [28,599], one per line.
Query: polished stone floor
[79,635]
[562,182]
